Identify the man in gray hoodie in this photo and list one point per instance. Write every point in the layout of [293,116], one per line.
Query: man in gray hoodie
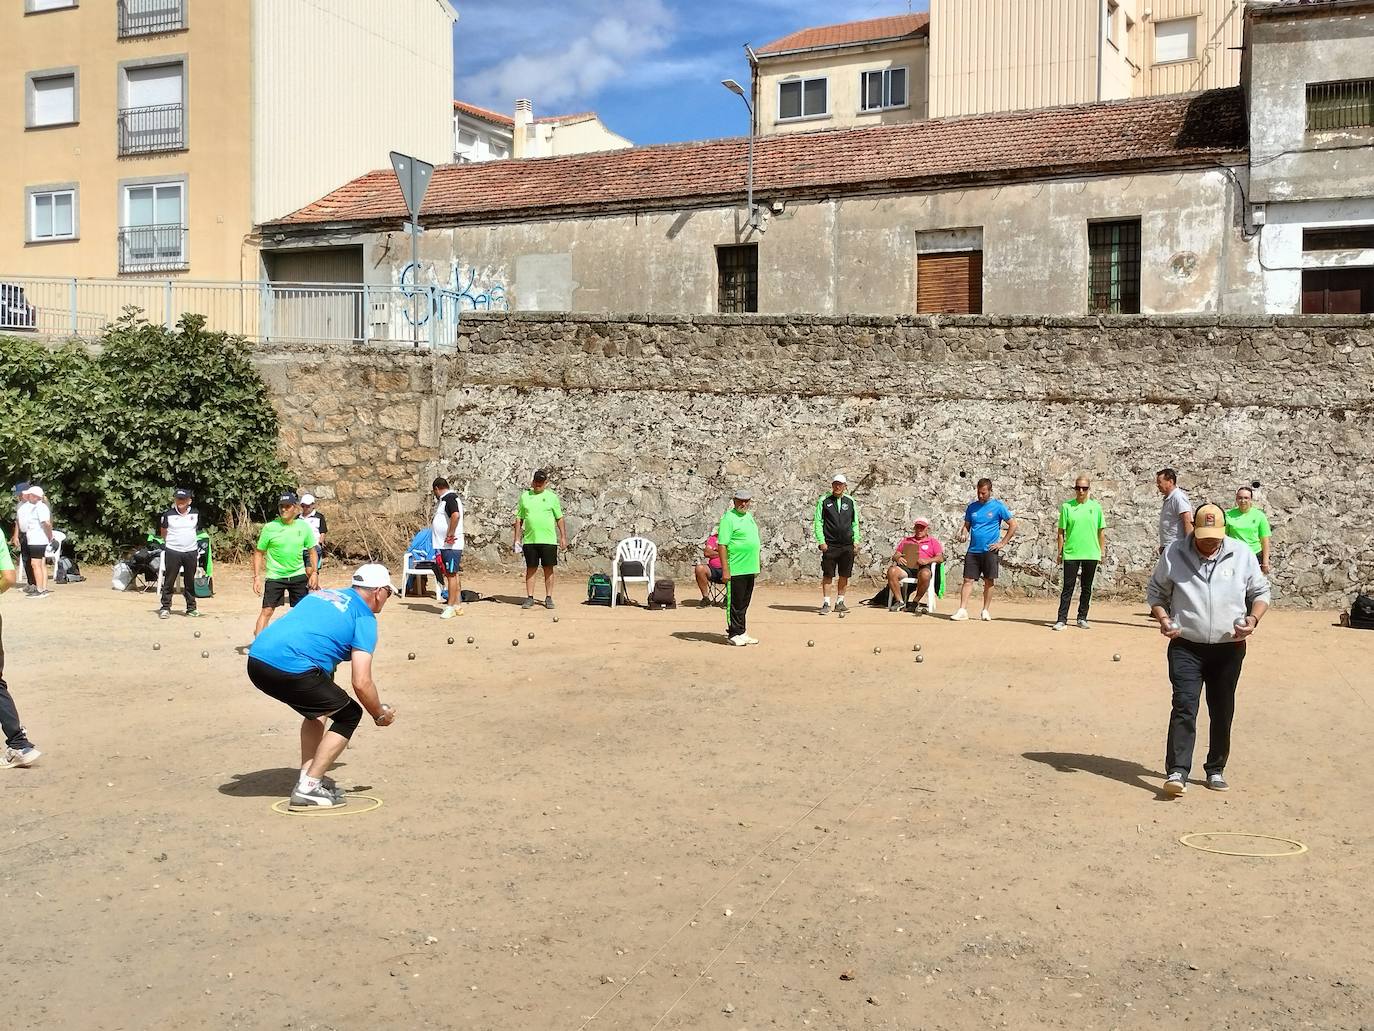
[1208,594]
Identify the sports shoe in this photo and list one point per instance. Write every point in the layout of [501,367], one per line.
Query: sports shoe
[328,784]
[1216,782]
[164,613]
[841,607]
[739,641]
[548,601]
[193,613]
[1175,784]
[42,594]
[825,608]
[449,612]
[985,616]
[893,605]
[705,603]
[1060,625]
[749,640]
[30,590]
[319,797]
[960,615]
[1082,624]
[16,758]
[528,603]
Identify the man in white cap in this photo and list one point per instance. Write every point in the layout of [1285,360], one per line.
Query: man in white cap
[36,534]
[315,519]
[1208,594]
[737,538]
[179,528]
[836,528]
[293,660]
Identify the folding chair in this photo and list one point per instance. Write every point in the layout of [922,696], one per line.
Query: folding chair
[639,550]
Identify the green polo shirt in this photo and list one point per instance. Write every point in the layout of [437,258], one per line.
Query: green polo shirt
[738,534]
[1248,527]
[1080,521]
[6,563]
[285,545]
[540,513]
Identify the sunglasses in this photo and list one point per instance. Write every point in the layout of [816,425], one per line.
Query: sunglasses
[1081,486]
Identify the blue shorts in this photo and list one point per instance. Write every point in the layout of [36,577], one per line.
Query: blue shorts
[450,560]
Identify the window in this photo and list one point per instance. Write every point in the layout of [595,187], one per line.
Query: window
[154,235]
[1175,40]
[949,283]
[152,117]
[1338,291]
[37,6]
[883,89]
[499,150]
[803,98]
[150,17]
[52,215]
[1340,105]
[738,272]
[1339,238]
[1112,9]
[1114,268]
[52,98]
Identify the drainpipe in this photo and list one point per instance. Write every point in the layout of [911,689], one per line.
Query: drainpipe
[1101,41]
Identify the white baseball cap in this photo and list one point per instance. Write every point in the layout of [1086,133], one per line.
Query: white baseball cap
[36,492]
[839,478]
[374,574]
[307,499]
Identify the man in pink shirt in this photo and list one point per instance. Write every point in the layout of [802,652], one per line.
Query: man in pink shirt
[708,572]
[916,556]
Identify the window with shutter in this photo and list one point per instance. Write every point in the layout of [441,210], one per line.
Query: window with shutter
[949,283]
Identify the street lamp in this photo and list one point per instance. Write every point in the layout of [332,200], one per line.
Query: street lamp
[738,90]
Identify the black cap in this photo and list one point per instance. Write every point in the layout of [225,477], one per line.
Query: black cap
[182,493]
[540,475]
[288,498]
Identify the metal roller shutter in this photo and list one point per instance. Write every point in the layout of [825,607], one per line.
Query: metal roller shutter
[950,283]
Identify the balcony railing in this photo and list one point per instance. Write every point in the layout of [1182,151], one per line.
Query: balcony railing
[148,130]
[152,248]
[149,17]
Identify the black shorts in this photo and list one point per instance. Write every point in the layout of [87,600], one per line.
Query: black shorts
[537,555]
[838,557]
[35,551]
[293,588]
[312,694]
[984,565]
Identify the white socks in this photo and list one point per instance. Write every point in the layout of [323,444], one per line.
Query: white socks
[840,599]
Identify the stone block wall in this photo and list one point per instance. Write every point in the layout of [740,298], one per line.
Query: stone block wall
[648,423]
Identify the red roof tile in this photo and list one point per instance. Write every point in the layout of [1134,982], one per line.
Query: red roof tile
[1156,133]
[850,33]
[495,117]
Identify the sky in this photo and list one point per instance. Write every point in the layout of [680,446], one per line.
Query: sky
[650,68]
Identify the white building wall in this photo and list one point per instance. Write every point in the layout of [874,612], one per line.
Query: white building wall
[345,82]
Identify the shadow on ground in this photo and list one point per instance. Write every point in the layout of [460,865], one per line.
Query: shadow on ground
[1123,771]
[274,783]
[699,637]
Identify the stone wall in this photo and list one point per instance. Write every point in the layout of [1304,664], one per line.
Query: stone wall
[647,424]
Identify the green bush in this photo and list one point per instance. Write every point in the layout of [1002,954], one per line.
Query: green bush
[110,431]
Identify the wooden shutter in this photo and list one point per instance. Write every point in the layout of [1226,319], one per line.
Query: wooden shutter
[950,283]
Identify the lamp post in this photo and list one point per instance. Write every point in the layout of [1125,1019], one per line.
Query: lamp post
[738,90]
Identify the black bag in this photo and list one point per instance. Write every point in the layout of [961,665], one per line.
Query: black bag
[598,589]
[469,596]
[663,596]
[1362,613]
[631,568]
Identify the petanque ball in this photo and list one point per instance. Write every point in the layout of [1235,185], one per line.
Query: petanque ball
[811,644]
[531,635]
[1116,657]
[916,647]
[204,655]
[196,635]
[411,656]
[555,619]
[157,647]
[920,658]
[450,640]
[877,651]
[515,643]
[472,640]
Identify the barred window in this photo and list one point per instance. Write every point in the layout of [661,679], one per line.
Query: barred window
[1114,267]
[1348,104]
[738,278]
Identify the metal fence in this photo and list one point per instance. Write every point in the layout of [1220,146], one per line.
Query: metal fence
[1348,104]
[424,316]
[146,17]
[151,130]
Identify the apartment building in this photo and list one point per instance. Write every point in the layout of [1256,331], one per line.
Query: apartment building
[480,134]
[148,137]
[981,56]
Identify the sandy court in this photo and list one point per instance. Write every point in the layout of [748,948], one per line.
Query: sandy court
[624,824]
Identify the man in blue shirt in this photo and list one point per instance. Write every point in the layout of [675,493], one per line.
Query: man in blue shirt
[293,661]
[983,521]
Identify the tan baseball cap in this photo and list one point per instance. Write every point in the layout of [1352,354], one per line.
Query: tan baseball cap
[1209,523]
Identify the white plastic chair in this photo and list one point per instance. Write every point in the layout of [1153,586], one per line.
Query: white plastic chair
[411,567]
[53,553]
[930,599]
[633,549]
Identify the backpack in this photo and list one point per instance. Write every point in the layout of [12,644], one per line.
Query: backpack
[598,589]
[204,586]
[663,596]
[1362,613]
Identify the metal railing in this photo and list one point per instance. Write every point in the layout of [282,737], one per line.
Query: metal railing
[262,312]
[149,17]
[1340,105]
[148,130]
[159,248]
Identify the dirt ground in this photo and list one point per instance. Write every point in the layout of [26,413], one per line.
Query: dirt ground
[621,823]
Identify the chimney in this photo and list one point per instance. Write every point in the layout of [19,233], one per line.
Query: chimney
[524,118]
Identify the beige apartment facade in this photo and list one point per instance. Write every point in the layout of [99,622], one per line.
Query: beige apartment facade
[148,137]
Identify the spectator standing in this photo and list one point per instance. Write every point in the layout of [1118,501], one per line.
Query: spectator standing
[1208,595]
[1250,526]
[22,504]
[446,531]
[312,515]
[1176,514]
[283,547]
[739,544]
[836,527]
[37,535]
[983,519]
[539,533]
[19,750]
[179,528]
[1082,537]
[709,571]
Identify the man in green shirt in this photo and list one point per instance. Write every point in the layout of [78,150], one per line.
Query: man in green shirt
[738,540]
[1250,525]
[1082,537]
[284,546]
[19,750]
[539,533]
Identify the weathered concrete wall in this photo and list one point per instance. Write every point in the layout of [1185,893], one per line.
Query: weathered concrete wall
[648,424]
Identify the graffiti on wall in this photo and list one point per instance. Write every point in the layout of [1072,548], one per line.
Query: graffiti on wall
[463,292]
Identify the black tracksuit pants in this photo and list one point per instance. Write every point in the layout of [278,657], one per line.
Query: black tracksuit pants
[9,715]
[1193,669]
[738,593]
[174,563]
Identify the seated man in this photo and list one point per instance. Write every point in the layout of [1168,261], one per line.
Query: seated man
[708,572]
[916,556]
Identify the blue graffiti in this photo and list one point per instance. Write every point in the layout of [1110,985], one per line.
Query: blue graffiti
[450,300]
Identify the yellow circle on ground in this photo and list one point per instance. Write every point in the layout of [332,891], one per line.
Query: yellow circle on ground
[348,810]
[1298,847]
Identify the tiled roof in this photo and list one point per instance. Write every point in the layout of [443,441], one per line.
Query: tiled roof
[850,33]
[495,117]
[1156,133]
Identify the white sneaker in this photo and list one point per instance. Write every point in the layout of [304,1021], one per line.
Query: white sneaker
[1082,624]
[961,614]
[740,641]
[450,611]
[1060,625]
[986,616]
[749,640]
[15,759]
